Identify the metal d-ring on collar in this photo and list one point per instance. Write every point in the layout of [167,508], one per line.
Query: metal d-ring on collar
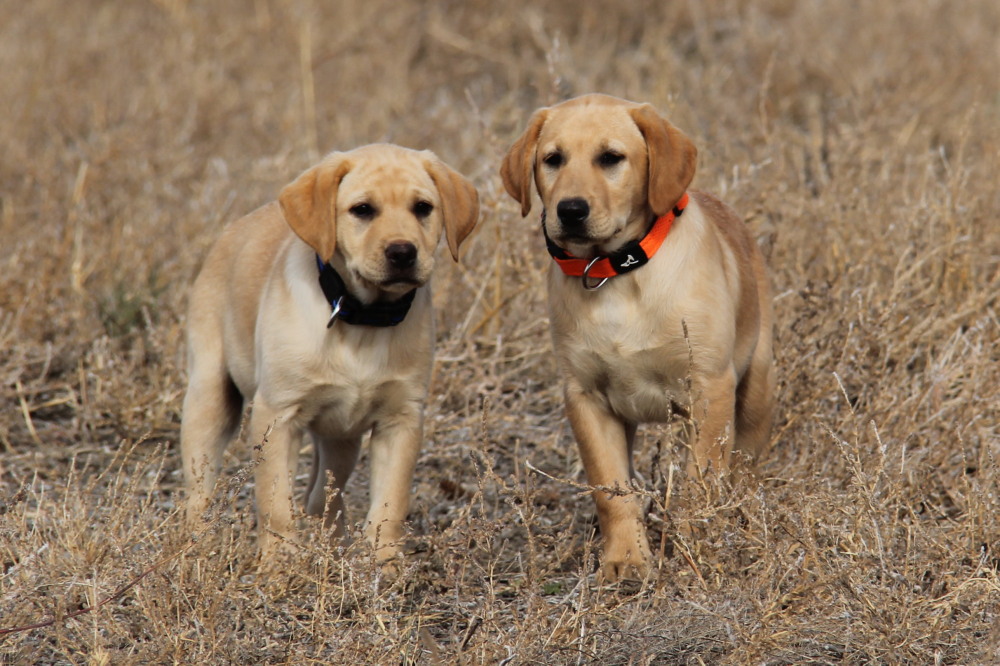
[586,276]
[336,305]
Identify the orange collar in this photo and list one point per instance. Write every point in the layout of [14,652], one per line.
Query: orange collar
[631,256]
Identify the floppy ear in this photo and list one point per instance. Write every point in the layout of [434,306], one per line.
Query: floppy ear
[519,162]
[672,158]
[309,204]
[459,202]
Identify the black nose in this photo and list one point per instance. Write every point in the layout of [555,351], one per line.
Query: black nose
[401,255]
[572,212]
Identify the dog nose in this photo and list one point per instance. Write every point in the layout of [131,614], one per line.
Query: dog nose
[572,212]
[401,255]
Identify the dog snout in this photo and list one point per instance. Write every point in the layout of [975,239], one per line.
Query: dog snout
[573,212]
[401,256]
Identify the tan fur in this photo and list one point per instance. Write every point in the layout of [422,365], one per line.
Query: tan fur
[622,348]
[257,331]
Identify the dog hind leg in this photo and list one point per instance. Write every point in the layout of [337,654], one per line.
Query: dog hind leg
[211,417]
[755,405]
[338,457]
[713,411]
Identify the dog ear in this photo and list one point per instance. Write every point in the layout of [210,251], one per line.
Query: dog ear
[459,202]
[309,204]
[672,158]
[519,163]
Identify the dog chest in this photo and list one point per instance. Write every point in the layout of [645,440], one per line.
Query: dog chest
[641,373]
[353,408]
[349,382]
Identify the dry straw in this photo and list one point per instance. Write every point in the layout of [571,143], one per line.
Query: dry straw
[861,143]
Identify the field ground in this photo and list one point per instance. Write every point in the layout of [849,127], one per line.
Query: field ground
[860,141]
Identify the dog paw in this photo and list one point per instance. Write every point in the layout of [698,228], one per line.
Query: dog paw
[275,550]
[631,561]
[391,568]
[620,571]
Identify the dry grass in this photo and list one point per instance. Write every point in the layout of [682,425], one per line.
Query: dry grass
[861,142]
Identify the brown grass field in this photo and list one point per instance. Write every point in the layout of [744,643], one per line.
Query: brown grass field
[861,141]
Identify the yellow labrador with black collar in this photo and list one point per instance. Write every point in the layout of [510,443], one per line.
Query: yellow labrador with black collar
[317,309]
[659,299]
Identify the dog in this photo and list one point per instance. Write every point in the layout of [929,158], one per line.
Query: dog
[317,308]
[659,301]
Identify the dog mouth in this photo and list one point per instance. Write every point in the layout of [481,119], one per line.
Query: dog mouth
[400,279]
[389,283]
[576,236]
[596,229]
[587,237]
[406,281]
[590,246]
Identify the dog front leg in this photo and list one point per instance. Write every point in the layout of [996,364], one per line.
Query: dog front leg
[278,438]
[393,451]
[604,444]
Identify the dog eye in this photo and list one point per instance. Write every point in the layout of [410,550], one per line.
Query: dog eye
[609,158]
[363,210]
[554,160]
[422,208]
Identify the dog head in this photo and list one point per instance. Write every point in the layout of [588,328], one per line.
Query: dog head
[600,165]
[382,208]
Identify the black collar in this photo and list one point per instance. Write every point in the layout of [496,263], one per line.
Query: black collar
[350,310]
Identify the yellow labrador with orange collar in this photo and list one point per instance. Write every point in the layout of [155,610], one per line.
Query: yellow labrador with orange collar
[317,308]
[659,300]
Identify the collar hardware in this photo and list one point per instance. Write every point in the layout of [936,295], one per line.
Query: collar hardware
[337,304]
[585,277]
